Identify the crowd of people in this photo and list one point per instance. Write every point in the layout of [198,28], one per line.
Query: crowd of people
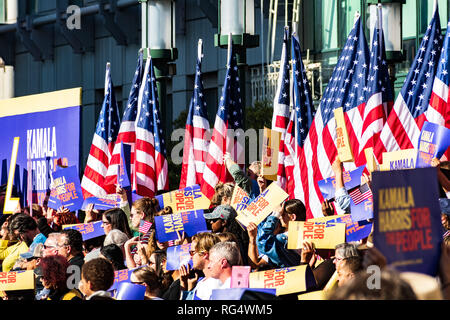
[33,239]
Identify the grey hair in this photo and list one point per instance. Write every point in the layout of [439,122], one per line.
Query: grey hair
[227,250]
[348,250]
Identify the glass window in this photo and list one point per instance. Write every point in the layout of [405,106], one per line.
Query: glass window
[409,19]
[327,14]
[426,13]
[2,11]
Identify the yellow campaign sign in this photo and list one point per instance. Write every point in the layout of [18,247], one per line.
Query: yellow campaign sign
[332,283]
[399,160]
[284,280]
[262,206]
[343,142]
[315,295]
[11,203]
[372,163]
[270,148]
[324,235]
[183,200]
[240,199]
[18,280]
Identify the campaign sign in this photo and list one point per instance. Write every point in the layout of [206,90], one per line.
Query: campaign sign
[187,199]
[354,231]
[122,276]
[407,218]
[67,185]
[262,206]
[130,291]
[352,179]
[324,235]
[106,203]
[235,294]
[123,178]
[178,256]
[239,276]
[88,230]
[49,129]
[168,225]
[433,142]
[240,199]
[362,211]
[17,280]
[284,280]
[399,160]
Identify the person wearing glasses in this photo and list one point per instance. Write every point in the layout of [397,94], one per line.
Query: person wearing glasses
[70,246]
[348,262]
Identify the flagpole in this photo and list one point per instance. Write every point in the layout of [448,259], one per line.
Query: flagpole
[230,41]
[200,50]
[108,70]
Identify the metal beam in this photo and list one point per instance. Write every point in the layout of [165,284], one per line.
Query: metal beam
[210,10]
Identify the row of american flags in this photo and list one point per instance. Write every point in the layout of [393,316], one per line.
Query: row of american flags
[360,84]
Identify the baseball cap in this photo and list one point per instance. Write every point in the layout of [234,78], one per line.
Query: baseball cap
[220,212]
[36,250]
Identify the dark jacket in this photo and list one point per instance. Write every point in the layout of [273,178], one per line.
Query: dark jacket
[78,260]
[173,292]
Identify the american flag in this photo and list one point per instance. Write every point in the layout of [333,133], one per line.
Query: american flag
[411,109]
[281,105]
[144,226]
[103,143]
[196,141]
[224,138]
[361,193]
[300,121]
[144,182]
[346,89]
[127,133]
[379,96]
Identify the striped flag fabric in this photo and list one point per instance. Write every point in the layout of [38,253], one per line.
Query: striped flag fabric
[195,138]
[379,96]
[144,177]
[144,226]
[281,107]
[224,137]
[102,147]
[300,122]
[361,194]
[127,133]
[412,107]
[345,89]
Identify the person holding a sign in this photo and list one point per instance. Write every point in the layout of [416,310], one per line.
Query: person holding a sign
[274,245]
[116,219]
[246,182]
[342,198]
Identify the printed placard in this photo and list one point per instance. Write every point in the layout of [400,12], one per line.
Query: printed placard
[324,235]
[407,219]
[108,202]
[262,206]
[239,276]
[17,280]
[371,161]
[168,225]
[178,256]
[342,140]
[123,178]
[66,184]
[284,280]
[187,199]
[240,199]
[11,203]
[270,148]
[88,230]
[351,179]
[122,276]
[399,160]
[354,231]
[433,142]
[310,296]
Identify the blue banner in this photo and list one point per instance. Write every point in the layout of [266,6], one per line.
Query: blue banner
[123,178]
[44,138]
[352,179]
[407,218]
[362,211]
[121,276]
[434,140]
[190,222]
[67,189]
[89,230]
[102,203]
[178,256]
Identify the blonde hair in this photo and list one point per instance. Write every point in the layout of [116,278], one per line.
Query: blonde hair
[205,241]
[222,190]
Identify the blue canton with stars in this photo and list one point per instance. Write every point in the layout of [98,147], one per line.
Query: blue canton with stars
[416,91]
[130,112]
[302,95]
[109,121]
[285,94]
[347,84]
[442,71]
[198,104]
[230,106]
[158,133]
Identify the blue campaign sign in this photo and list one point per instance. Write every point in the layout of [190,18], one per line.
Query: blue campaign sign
[102,203]
[362,211]
[123,178]
[434,140]
[66,184]
[237,293]
[178,256]
[190,222]
[352,179]
[354,230]
[89,230]
[44,138]
[407,219]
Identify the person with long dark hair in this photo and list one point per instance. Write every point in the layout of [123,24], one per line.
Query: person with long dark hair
[114,254]
[116,219]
